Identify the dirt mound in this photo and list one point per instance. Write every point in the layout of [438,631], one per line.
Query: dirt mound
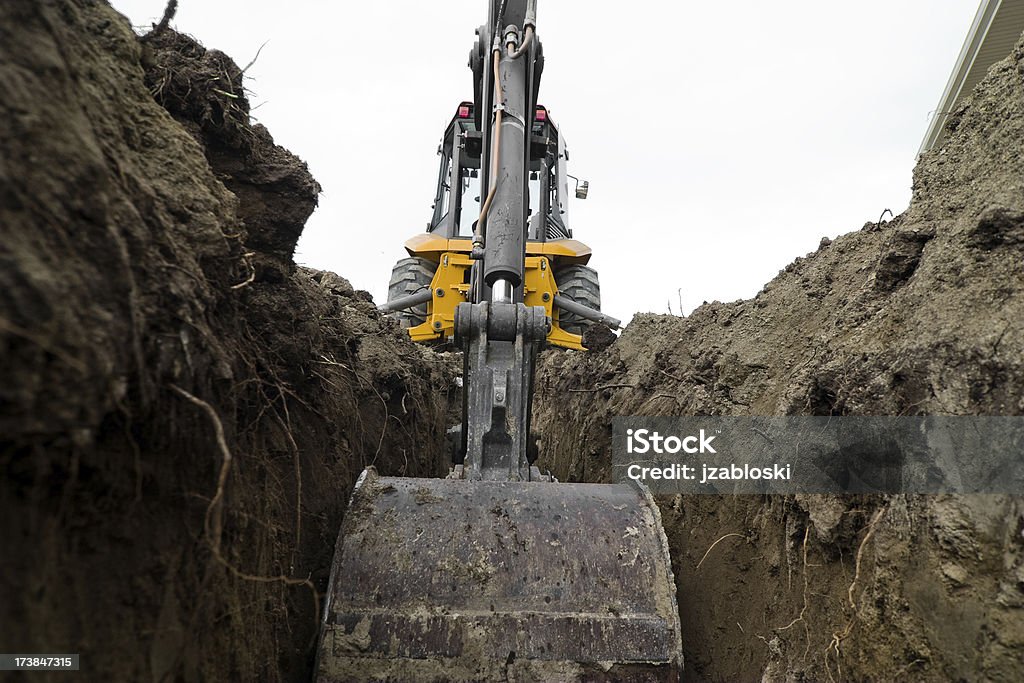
[923,314]
[183,411]
[204,91]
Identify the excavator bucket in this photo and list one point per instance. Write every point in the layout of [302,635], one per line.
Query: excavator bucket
[451,580]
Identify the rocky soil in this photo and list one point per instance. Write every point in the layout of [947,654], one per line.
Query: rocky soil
[923,314]
[183,411]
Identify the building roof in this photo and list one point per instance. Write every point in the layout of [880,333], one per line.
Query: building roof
[995,30]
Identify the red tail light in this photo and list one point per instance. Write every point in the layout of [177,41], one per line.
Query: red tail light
[465,110]
[541,115]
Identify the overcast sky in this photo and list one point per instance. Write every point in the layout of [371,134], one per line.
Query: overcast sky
[721,140]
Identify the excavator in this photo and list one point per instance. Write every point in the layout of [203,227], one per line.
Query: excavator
[499,572]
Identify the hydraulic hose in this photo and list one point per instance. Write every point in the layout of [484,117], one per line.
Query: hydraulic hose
[529,24]
[513,53]
[495,147]
[527,36]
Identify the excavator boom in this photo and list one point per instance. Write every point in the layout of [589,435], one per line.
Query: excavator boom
[499,573]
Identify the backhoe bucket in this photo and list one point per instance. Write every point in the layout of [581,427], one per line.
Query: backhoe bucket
[449,580]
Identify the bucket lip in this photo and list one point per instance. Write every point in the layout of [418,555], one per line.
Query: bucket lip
[367,476]
[667,563]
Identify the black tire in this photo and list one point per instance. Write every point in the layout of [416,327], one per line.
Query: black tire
[580,284]
[409,276]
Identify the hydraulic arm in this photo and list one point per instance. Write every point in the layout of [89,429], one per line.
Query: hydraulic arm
[500,335]
[498,573]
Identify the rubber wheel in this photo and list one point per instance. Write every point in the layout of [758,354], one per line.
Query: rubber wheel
[410,275]
[580,284]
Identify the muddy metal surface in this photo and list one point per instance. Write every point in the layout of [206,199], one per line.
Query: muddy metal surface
[464,581]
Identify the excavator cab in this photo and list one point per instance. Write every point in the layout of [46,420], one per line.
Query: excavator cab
[499,572]
[457,200]
[458,180]
[439,262]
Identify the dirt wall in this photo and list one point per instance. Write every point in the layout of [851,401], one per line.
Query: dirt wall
[183,411]
[922,314]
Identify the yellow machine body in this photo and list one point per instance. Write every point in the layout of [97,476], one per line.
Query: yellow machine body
[450,285]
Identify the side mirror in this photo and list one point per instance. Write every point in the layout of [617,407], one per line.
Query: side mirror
[582,187]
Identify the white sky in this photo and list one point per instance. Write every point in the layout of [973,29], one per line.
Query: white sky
[721,140]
